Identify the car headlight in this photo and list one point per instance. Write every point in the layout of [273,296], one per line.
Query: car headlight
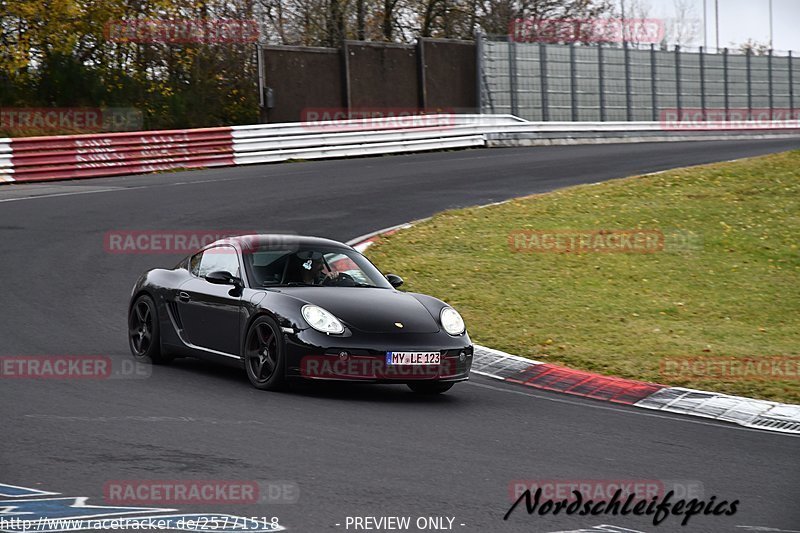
[321,320]
[452,321]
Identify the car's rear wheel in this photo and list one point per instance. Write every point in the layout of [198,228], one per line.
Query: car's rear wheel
[437,387]
[144,333]
[265,355]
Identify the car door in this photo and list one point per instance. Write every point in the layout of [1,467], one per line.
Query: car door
[209,312]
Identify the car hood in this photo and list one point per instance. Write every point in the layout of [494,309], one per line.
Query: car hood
[370,310]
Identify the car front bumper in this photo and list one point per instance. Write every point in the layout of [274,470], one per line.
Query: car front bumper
[362,357]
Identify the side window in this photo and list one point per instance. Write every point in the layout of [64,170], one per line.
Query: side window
[218,258]
[194,264]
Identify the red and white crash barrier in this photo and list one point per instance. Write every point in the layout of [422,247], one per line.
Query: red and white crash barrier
[109,154]
[5,159]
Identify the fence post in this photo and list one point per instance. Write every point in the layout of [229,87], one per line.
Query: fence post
[480,80]
[653,81]
[771,95]
[512,74]
[601,83]
[725,82]
[263,112]
[702,83]
[346,77]
[791,86]
[573,82]
[479,71]
[543,81]
[749,87]
[628,103]
[421,69]
[678,81]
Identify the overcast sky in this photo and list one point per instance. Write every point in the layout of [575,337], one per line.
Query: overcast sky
[739,20]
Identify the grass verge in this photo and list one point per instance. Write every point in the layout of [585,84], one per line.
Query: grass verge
[722,286]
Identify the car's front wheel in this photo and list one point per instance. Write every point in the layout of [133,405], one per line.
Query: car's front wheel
[143,331]
[265,355]
[437,387]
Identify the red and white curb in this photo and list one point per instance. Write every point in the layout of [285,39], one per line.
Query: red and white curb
[365,241]
[748,412]
[761,414]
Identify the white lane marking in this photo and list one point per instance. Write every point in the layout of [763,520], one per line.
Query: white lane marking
[169,419]
[631,410]
[53,195]
[602,527]
[137,187]
[769,529]
[5,493]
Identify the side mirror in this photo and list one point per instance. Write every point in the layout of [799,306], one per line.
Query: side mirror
[394,280]
[220,277]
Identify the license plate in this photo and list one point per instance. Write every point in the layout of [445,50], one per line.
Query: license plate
[413,358]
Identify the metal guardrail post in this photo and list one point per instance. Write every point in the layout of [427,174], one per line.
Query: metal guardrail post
[653,82]
[601,82]
[748,57]
[702,83]
[726,84]
[543,82]
[512,74]
[573,82]
[678,103]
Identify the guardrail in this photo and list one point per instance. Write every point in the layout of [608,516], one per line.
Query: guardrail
[110,154]
[98,155]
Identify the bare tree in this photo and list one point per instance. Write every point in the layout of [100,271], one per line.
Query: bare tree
[754,47]
[683,28]
[549,17]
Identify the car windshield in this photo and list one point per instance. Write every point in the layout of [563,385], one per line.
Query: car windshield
[313,267]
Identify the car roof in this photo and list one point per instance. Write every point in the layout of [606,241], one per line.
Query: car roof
[266,241]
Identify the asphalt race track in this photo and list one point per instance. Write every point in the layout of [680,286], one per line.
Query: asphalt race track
[352,450]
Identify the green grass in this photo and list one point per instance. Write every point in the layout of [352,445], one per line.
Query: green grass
[734,291]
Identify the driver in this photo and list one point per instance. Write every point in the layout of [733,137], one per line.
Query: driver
[308,268]
[312,271]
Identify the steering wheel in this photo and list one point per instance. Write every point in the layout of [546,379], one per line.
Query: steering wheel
[342,279]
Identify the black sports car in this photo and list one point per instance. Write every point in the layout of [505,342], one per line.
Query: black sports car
[288,307]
